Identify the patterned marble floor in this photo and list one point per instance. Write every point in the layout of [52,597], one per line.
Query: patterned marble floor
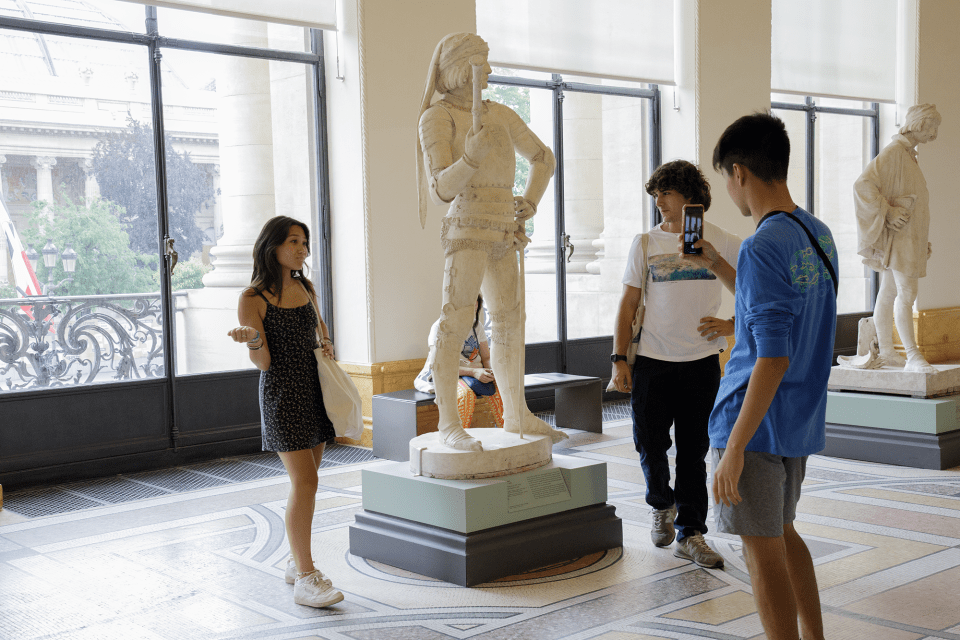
[208,564]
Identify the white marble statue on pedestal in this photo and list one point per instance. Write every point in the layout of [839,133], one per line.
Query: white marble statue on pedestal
[465,158]
[893,220]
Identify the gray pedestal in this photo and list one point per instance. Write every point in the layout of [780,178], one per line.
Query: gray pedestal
[912,432]
[471,531]
[475,558]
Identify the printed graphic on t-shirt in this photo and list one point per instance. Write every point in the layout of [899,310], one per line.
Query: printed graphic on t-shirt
[806,267]
[669,267]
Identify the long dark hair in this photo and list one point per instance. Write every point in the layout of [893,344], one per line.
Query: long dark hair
[267,272]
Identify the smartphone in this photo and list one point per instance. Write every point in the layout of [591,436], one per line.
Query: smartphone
[692,227]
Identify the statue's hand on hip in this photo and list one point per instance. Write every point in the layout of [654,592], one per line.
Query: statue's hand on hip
[477,145]
[524,208]
[897,217]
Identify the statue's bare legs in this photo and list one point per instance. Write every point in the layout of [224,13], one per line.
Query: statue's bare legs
[895,301]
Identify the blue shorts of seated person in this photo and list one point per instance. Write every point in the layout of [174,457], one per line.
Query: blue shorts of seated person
[480,388]
[769,489]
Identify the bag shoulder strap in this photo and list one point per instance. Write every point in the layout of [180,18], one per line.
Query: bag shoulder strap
[315,310]
[820,252]
[644,244]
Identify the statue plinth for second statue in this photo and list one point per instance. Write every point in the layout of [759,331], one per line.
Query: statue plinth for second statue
[944,381]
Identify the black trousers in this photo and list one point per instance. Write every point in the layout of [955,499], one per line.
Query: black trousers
[678,394]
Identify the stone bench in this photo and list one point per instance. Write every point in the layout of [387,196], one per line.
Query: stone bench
[402,415]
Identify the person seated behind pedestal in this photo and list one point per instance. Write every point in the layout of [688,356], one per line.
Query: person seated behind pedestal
[476,376]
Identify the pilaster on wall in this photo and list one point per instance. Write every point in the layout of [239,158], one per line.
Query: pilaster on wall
[380,377]
[387,271]
[723,72]
[937,70]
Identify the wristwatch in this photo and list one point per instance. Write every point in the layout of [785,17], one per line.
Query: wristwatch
[616,357]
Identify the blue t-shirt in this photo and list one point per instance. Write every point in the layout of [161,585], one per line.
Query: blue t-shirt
[785,306]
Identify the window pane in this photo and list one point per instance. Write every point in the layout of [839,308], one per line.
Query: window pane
[208,27]
[78,181]
[605,150]
[796,121]
[535,106]
[525,74]
[843,151]
[240,150]
[97,14]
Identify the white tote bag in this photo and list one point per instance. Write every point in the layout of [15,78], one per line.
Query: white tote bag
[340,395]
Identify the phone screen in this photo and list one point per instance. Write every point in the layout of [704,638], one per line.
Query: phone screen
[692,227]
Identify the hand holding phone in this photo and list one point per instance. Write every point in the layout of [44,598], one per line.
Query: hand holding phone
[692,228]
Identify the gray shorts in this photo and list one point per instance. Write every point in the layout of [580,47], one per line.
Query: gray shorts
[770,489]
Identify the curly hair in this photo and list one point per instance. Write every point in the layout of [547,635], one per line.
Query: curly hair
[683,177]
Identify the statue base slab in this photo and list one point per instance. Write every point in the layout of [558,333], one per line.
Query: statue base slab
[896,381]
[503,454]
[922,433]
[468,532]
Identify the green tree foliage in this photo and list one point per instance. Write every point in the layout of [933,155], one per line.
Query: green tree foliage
[124,166]
[518,99]
[187,275]
[106,261]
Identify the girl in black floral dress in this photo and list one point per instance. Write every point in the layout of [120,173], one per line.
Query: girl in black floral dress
[279,326]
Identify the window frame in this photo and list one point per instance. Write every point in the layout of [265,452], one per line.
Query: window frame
[811,109]
[540,353]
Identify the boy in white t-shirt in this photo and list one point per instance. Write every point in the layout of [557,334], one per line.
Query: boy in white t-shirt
[675,378]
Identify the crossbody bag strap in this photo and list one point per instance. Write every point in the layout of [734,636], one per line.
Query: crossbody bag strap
[820,252]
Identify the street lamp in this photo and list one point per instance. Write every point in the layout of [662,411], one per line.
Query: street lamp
[33,257]
[49,252]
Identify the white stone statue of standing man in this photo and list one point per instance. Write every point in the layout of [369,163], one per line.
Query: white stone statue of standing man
[465,158]
[893,222]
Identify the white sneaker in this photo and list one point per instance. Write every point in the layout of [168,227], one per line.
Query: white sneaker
[314,590]
[290,575]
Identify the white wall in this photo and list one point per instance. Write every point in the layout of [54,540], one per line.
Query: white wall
[388,271]
[939,69]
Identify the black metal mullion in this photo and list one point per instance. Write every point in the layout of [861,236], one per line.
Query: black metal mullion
[656,149]
[324,245]
[127,37]
[160,161]
[560,248]
[57,29]
[236,50]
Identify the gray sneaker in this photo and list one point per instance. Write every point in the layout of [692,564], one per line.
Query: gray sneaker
[696,548]
[663,532]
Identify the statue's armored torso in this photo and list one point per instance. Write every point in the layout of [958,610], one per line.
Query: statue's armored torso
[481,216]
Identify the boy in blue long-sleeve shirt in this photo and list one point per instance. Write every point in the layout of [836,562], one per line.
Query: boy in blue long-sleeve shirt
[770,410]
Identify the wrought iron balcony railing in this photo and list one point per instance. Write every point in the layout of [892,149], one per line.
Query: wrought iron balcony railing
[51,341]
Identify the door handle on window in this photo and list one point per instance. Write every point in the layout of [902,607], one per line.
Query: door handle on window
[171,253]
[568,246]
